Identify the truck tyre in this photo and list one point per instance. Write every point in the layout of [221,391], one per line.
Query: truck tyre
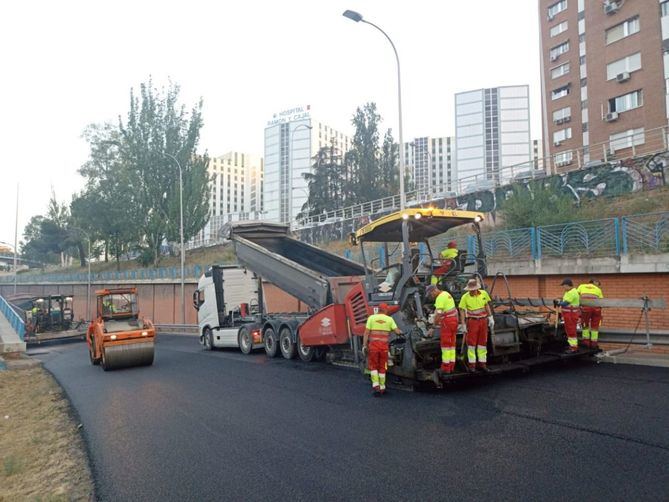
[306,353]
[286,343]
[271,343]
[245,341]
[208,335]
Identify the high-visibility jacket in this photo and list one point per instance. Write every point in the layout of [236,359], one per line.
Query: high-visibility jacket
[380,326]
[445,304]
[449,254]
[589,291]
[474,305]
[571,300]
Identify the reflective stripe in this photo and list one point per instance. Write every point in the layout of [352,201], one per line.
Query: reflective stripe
[482,352]
[573,342]
[378,336]
[589,296]
[382,381]
[375,378]
[586,334]
[471,353]
[570,309]
[450,313]
[594,336]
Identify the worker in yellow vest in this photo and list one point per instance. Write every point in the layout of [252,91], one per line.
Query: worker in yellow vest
[448,255]
[476,317]
[569,307]
[375,345]
[591,317]
[446,317]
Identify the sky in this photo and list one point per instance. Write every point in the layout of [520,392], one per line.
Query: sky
[71,63]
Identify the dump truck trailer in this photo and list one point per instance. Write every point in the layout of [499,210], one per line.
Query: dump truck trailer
[341,295]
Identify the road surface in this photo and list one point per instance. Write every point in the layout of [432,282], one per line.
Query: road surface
[223,426]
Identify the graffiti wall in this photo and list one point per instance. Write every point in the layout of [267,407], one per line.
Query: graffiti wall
[603,180]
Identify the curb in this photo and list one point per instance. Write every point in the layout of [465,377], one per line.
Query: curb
[657,362]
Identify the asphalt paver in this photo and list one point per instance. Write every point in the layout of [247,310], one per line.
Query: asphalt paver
[200,425]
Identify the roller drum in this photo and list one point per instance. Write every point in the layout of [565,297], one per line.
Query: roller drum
[125,356]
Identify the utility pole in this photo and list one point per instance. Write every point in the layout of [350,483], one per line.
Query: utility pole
[16,238]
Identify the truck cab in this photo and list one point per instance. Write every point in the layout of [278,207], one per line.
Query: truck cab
[227,300]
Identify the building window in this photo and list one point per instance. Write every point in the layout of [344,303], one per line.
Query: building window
[627,139]
[562,115]
[627,64]
[559,28]
[622,30]
[556,8]
[564,158]
[559,50]
[626,102]
[559,71]
[561,135]
[560,92]
[664,6]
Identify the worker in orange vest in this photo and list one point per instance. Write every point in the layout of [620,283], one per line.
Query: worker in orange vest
[476,317]
[569,307]
[448,255]
[591,317]
[446,317]
[375,346]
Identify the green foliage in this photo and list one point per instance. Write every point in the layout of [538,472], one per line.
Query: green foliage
[536,204]
[368,171]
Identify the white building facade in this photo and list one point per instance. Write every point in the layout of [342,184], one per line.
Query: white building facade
[431,161]
[492,134]
[292,139]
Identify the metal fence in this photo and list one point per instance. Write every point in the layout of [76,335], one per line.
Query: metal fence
[14,319]
[637,144]
[142,274]
[642,233]
[646,233]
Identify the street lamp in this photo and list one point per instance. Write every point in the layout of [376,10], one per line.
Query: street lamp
[357,17]
[181,235]
[290,191]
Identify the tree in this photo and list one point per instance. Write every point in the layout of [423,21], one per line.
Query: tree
[364,154]
[134,180]
[389,165]
[326,182]
[536,205]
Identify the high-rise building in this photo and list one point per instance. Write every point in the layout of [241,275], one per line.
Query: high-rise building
[292,139]
[236,186]
[604,65]
[431,162]
[492,133]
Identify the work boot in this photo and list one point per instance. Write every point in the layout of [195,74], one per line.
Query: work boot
[594,345]
[471,367]
[586,343]
[376,391]
[383,392]
[484,367]
[446,368]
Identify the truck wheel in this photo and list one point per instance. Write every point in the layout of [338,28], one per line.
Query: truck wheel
[245,341]
[306,353]
[271,343]
[286,343]
[208,339]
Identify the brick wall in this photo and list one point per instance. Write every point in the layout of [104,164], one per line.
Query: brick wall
[655,286]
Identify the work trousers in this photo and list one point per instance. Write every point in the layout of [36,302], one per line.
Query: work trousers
[570,321]
[447,335]
[377,362]
[477,340]
[591,319]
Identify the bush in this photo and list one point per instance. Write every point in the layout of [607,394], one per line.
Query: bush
[538,205]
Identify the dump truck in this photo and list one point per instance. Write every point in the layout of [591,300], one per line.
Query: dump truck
[341,294]
[119,336]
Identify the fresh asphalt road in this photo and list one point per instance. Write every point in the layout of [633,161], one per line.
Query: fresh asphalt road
[223,426]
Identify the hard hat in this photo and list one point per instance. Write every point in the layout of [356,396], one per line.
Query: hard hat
[383,307]
[452,244]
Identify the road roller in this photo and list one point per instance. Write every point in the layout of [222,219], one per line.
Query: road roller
[119,337]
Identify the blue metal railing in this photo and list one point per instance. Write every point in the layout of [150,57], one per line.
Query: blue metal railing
[194,271]
[581,238]
[14,319]
[645,233]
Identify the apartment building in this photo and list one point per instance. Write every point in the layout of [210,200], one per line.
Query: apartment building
[431,162]
[292,139]
[604,70]
[492,134]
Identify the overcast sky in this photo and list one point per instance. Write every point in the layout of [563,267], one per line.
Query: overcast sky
[70,63]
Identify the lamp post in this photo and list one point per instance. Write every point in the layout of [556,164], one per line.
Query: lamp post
[355,16]
[16,238]
[181,235]
[290,191]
